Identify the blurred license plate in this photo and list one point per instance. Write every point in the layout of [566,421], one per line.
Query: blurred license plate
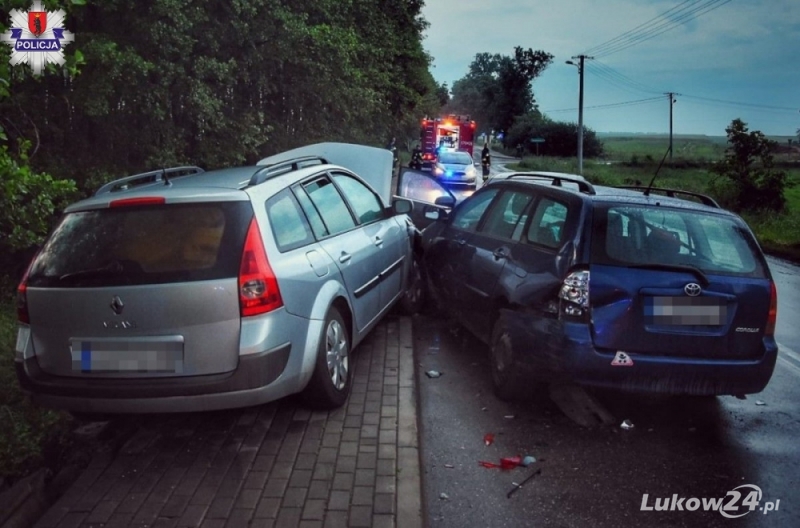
[707,311]
[145,355]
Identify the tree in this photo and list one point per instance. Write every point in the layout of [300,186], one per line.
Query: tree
[561,139]
[497,89]
[748,172]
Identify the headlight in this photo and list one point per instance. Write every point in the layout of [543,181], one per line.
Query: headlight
[437,170]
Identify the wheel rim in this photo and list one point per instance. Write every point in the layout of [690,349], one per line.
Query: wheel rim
[336,354]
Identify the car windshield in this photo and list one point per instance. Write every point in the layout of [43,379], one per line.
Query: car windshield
[143,245]
[632,235]
[455,158]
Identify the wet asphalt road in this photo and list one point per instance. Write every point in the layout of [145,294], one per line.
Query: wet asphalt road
[596,476]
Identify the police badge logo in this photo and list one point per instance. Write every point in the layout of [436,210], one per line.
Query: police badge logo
[37,37]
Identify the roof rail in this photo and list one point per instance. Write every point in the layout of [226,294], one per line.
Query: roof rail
[674,193]
[557,180]
[155,176]
[283,167]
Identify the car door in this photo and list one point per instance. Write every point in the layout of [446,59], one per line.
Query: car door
[351,246]
[428,195]
[489,250]
[449,254]
[380,227]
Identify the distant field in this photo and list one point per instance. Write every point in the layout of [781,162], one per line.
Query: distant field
[685,147]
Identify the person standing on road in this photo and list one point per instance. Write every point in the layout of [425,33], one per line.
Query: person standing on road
[486,160]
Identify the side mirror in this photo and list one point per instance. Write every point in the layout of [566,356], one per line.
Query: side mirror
[402,206]
[445,201]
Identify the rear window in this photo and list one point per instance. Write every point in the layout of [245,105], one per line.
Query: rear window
[635,235]
[144,245]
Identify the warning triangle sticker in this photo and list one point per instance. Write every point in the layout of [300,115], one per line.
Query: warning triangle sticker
[621,359]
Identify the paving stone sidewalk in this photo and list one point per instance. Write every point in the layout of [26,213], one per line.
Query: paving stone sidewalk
[278,465]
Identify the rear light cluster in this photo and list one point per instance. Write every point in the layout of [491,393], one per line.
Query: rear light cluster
[769,330]
[22,296]
[575,292]
[258,287]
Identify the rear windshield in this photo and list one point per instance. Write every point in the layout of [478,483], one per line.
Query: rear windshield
[456,158]
[144,245]
[635,235]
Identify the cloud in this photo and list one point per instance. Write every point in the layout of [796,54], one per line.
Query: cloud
[742,49]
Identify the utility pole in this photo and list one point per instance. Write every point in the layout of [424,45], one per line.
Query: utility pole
[582,58]
[672,100]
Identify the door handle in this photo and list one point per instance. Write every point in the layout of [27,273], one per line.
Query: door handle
[461,241]
[344,257]
[500,253]
[378,241]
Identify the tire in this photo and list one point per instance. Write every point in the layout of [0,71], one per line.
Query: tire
[414,297]
[505,379]
[330,383]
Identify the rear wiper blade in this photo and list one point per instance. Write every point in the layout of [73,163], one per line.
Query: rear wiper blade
[112,268]
[697,272]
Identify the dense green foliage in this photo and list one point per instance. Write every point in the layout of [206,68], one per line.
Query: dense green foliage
[561,139]
[750,181]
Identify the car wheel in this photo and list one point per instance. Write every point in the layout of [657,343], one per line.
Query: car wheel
[505,380]
[414,296]
[330,382]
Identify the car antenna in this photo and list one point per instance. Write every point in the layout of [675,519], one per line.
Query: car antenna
[164,177]
[650,185]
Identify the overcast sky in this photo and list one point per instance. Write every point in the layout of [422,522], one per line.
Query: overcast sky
[745,52]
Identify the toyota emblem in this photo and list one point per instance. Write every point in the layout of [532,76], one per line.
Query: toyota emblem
[692,289]
[117,306]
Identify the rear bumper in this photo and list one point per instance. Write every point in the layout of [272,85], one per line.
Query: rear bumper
[253,382]
[565,352]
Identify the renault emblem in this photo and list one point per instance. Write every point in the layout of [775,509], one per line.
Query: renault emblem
[692,289]
[117,306]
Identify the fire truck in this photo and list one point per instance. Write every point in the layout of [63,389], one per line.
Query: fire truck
[452,132]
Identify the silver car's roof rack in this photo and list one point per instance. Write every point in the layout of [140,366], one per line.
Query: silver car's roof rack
[145,178]
[674,193]
[557,180]
[282,167]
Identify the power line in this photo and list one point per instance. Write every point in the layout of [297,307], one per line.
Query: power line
[650,29]
[742,104]
[612,76]
[611,105]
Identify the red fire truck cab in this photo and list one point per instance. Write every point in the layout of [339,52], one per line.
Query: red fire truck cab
[452,132]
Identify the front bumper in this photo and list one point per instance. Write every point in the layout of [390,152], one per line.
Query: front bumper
[550,349]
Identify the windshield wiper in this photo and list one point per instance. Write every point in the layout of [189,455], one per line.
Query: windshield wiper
[114,267]
[697,272]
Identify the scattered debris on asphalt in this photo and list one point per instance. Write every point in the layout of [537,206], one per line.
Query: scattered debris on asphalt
[433,374]
[449,466]
[484,408]
[510,462]
[759,402]
[528,460]
[488,465]
[626,425]
[488,439]
[518,486]
[509,417]
[444,496]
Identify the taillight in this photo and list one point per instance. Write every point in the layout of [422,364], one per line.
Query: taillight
[769,330]
[258,287]
[575,291]
[22,296]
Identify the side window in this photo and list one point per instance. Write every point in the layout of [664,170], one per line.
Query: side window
[288,224]
[313,216]
[547,225]
[506,214]
[330,205]
[366,205]
[469,214]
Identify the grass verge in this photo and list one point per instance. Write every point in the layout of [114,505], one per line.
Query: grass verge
[30,437]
